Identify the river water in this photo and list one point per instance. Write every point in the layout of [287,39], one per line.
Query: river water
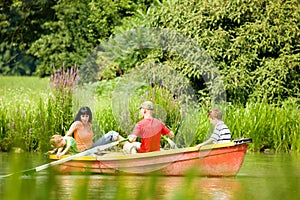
[262,176]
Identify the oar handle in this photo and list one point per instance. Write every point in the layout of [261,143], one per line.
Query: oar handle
[124,140]
[60,161]
[171,143]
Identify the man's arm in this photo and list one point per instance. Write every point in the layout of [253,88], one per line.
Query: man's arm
[132,138]
[170,134]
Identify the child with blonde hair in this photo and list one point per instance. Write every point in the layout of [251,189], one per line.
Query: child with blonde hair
[64,145]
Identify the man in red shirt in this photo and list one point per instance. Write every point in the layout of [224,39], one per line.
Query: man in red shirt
[149,129]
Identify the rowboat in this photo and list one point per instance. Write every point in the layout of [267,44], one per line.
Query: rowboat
[215,160]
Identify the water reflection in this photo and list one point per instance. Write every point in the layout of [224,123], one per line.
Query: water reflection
[220,189]
[261,177]
[132,187]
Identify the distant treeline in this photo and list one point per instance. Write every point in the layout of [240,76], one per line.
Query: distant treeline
[254,43]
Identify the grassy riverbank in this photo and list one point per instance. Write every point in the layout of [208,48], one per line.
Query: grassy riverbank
[30,114]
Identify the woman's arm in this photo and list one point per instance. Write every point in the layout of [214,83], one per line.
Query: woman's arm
[71,130]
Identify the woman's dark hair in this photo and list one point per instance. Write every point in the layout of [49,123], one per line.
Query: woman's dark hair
[84,111]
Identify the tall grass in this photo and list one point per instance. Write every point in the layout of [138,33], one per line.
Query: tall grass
[19,97]
[270,126]
[28,117]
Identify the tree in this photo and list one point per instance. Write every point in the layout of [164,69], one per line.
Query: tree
[80,26]
[20,25]
[254,44]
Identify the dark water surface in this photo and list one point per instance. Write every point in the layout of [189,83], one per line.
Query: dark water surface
[262,176]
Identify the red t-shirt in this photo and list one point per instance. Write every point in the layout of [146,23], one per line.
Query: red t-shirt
[150,130]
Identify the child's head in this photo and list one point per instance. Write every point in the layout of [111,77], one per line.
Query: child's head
[84,111]
[56,141]
[215,114]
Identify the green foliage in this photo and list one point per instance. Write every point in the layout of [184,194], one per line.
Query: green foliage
[277,80]
[18,121]
[29,120]
[20,25]
[18,96]
[270,127]
[66,41]
[255,44]
[110,114]
[79,27]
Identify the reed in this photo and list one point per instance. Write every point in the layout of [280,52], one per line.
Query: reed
[19,123]
[63,83]
[29,117]
[122,118]
[271,127]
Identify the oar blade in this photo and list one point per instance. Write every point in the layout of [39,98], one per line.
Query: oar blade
[25,172]
[6,175]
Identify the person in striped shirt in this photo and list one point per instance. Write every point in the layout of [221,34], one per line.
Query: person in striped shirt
[221,133]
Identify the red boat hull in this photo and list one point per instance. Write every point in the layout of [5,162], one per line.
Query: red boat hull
[213,160]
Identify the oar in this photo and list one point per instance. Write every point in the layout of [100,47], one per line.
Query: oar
[86,152]
[171,143]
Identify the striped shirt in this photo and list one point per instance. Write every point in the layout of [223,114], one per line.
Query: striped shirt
[221,133]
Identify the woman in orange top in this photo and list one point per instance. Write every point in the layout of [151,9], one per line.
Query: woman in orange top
[83,133]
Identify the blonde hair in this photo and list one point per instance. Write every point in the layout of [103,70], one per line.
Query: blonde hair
[55,140]
[215,113]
